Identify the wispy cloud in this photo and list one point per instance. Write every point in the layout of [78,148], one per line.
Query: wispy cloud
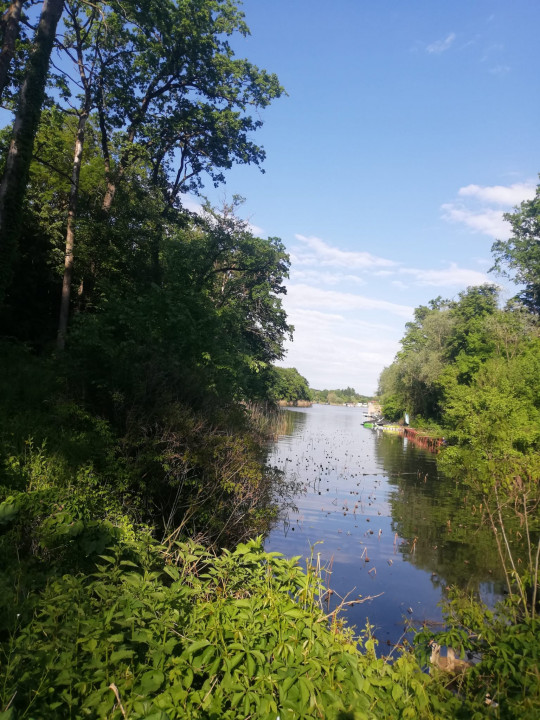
[346,334]
[481,208]
[488,222]
[319,277]
[337,350]
[309,297]
[315,251]
[500,69]
[451,276]
[500,194]
[440,46]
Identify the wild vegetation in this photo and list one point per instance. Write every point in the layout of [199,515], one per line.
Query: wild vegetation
[338,397]
[137,343]
[289,385]
[470,371]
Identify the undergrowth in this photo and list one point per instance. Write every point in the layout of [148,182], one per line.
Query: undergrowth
[178,632]
[109,610]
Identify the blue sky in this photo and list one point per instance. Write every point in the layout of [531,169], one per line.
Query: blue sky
[409,128]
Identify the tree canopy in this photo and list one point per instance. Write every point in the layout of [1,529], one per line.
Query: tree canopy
[287,384]
[519,256]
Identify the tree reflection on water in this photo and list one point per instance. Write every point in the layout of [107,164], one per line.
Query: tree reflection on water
[387,521]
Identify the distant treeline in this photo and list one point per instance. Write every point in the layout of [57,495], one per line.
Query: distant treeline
[338,397]
[292,387]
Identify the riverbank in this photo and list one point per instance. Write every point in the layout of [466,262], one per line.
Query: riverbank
[104,613]
[421,438]
[107,612]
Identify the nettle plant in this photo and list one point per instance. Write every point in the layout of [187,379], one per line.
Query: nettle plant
[171,633]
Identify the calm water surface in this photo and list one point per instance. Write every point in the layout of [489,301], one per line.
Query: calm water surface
[387,522]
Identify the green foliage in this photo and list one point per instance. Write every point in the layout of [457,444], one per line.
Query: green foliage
[172,88]
[519,256]
[338,397]
[505,653]
[144,428]
[446,346]
[178,633]
[474,370]
[287,384]
[393,408]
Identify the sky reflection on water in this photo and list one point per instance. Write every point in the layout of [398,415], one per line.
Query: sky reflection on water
[383,518]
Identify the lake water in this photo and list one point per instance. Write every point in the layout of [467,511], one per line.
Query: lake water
[385,521]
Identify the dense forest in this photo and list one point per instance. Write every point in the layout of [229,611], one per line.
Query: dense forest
[469,370]
[339,396]
[138,389]
[287,385]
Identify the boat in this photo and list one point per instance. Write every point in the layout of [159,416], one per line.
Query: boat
[391,428]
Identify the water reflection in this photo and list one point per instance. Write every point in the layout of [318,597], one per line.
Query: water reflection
[388,521]
[437,516]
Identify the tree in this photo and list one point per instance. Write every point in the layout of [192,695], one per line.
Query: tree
[82,34]
[169,93]
[519,256]
[288,384]
[173,90]
[9,24]
[448,340]
[15,177]
[471,342]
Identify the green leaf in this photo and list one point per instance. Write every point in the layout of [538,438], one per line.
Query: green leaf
[194,647]
[172,571]
[294,613]
[121,655]
[397,692]
[7,512]
[151,681]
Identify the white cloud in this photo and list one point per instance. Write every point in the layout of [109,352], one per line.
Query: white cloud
[450,276]
[323,278]
[316,251]
[307,296]
[338,351]
[383,273]
[481,208]
[440,46]
[488,222]
[500,194]
[188,203]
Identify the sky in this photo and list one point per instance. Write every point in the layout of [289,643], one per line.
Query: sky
[407,131]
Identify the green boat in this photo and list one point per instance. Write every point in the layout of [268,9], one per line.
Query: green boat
[368,424]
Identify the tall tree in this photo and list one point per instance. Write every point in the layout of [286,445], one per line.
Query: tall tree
[30,101]
[168,91]
[519,256]
[175,92]
[9,25]
[81,35]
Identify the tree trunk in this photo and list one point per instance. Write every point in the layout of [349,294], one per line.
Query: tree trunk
[111,186]
[123,164]
[70,231]
[10,20]
[15,178]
